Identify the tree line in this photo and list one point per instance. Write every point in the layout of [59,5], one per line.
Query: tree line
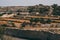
[45,9]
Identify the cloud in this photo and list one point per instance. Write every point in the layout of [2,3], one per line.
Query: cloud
[27,2]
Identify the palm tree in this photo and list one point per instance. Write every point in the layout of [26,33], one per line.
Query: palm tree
[56,10]
[54,6]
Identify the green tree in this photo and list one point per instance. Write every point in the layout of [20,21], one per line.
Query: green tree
[48,21]
[43,11]
[42,20]
[9,11]
[54,6]
[18,10]
[31,9]
[56,10]
[2,28]
[34,20]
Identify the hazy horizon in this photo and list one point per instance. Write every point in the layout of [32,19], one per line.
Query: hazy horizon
[28,2]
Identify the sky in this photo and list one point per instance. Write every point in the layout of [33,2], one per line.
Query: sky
[27,2]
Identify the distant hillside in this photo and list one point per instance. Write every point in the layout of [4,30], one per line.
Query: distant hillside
[42,9]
